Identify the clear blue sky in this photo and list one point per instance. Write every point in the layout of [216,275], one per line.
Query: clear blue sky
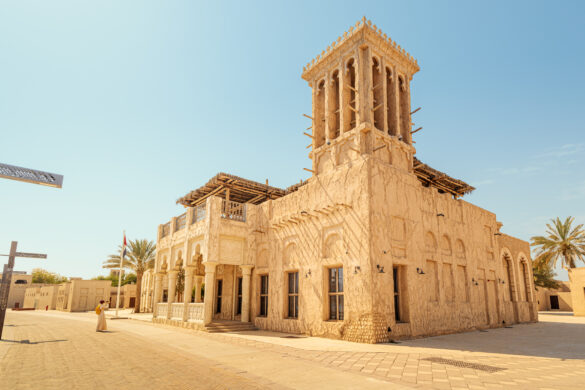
[138,102]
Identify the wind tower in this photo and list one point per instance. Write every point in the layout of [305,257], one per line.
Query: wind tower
[361,100]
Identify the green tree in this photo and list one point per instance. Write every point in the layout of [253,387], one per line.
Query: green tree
[544,276]
[562,241]
[40,275]
[180,283]
[127,279]
[140,256]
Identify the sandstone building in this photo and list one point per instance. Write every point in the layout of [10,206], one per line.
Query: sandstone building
[375,245]
[82,295]
[127,296]
[18,285]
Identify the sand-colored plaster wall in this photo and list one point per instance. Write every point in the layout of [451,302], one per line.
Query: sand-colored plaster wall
[577,280]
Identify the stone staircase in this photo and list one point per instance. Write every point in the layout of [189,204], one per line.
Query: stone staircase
[229,326]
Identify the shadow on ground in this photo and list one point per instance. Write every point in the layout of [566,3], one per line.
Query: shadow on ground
[26,341]
[551,338]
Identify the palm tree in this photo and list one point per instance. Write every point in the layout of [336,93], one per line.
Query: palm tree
[563,241]
[139,258]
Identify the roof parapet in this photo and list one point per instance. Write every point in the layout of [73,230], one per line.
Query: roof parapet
[361,25]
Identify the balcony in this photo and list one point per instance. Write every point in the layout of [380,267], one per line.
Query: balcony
[166,229]
[233,210]
[199,213]
[181,222]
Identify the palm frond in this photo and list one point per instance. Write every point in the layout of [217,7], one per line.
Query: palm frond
[561,242]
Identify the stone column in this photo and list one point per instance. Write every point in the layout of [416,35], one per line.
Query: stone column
[187,291]
[209,292]
[246,272]
[364,76]
[158,288]
[198,281]
[172,290]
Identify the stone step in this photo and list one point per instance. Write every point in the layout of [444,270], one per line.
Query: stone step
[223,327]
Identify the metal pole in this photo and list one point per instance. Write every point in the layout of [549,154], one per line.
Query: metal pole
[119,279]
[5,288]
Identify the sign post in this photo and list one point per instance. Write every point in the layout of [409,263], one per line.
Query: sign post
[31,176]
[7,279]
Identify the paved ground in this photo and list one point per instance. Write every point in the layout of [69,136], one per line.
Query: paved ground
[57,350]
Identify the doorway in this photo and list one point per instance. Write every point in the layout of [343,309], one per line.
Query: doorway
[554,302]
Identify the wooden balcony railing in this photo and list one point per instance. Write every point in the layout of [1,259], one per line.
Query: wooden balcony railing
[181,222]
[233,210]
[166,229]
[198,213]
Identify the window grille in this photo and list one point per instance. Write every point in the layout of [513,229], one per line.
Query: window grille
[263,295]
[293,295]
[336,308]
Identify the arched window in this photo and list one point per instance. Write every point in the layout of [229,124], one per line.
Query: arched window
[404,109]
[349,96]
[319,119]
[334,111]
[391,103]
[526,276]
[446,245]
[430,242]
[333,247]
[508,278]
[459,249]
[378,89]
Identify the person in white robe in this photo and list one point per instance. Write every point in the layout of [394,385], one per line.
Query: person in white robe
[101,324]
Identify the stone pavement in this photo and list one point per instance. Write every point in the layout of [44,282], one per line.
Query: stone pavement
[547,355]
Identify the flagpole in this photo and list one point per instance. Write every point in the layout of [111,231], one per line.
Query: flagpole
[120,276]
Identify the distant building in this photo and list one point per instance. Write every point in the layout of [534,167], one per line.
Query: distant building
[570,296]
[82,295]
[127,296]
[20,282]
[555,298]
[41,297]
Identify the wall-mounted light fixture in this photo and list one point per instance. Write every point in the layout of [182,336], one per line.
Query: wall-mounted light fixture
[380,269]
[384,251]
[389,329]
[304,213]
[497,234]
[356,269]
[440,215]
[420,271]
[308,274]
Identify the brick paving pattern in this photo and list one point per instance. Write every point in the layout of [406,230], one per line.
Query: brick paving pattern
[53,349]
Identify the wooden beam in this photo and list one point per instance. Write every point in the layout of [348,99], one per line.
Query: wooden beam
[256,198]
[200,200]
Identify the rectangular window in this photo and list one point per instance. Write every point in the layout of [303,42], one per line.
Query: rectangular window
[293,295]
[336,294]
[397,313]
[263,295]
[239,305]
[165,295]
[219,284]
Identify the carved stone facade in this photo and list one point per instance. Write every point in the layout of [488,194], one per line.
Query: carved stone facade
[369,248]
